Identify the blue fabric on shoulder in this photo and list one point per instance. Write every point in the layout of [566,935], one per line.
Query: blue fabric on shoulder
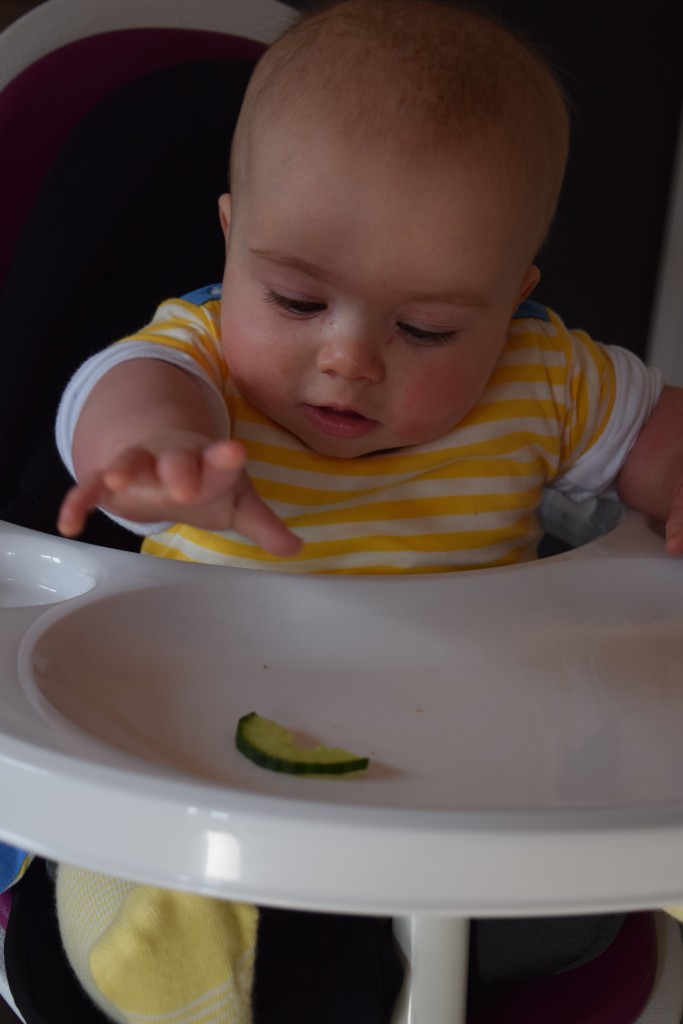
[531,310]
[201,296]
[13,864]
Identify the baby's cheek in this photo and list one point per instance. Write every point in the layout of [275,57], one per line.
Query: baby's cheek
[432,406]
[247,350]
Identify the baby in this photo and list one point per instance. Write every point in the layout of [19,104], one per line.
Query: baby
[369,379]
[369,391]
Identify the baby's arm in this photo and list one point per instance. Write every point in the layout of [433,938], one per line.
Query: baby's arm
[652,477]
[149,446]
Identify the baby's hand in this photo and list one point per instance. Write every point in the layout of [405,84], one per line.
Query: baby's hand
[203,484]
[674,524]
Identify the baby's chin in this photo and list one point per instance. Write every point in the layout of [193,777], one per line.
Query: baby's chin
[347,449]
[341,448]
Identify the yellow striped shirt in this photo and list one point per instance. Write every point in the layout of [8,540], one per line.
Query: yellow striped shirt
[466,500]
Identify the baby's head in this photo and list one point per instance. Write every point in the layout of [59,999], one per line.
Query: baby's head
[395,169]
[422,78]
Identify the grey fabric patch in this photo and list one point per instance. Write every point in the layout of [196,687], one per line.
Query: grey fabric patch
[504,951]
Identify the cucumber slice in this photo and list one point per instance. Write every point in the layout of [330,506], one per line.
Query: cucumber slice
[272,746]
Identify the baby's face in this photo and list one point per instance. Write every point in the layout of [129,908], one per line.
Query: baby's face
[366,300]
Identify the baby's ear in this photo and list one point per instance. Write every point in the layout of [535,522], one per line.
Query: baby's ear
[224,212]
[531,279]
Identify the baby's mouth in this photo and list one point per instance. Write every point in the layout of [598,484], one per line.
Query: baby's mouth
[339,422]
[334,410]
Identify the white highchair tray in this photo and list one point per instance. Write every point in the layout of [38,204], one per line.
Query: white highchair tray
[524,727]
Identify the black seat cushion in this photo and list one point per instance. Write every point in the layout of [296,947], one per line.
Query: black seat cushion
[126,218]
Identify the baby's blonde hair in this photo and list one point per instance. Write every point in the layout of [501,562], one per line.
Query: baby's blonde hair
[423,76]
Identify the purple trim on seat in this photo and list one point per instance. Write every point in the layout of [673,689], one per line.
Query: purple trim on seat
[41,107]
[611,989]
[5,907]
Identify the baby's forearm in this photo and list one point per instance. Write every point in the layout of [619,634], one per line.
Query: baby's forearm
[151,445]
[653,472]
[137,402]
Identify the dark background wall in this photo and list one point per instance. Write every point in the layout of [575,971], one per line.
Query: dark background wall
[622,66]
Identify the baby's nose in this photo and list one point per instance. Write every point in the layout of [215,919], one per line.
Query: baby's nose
[352,356]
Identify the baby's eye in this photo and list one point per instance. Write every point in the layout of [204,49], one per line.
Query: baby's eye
[422,337]
[297,306]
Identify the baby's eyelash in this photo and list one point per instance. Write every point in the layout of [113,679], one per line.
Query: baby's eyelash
[298,307]
[303,308]
[422,337]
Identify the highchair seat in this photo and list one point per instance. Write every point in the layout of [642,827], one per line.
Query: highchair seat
[521,723]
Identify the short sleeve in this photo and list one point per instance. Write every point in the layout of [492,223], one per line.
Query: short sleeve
[610,396]
[180,333]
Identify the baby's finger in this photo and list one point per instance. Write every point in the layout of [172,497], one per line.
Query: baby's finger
[225,455]
[222,467]
[674,537]
[225,474]
[133,466]
[79,501]
[180,473]
[257,521]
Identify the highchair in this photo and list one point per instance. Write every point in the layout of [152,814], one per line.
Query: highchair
[443,829]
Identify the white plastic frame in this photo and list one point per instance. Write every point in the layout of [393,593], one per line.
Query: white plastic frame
[58,22]
[665,346]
